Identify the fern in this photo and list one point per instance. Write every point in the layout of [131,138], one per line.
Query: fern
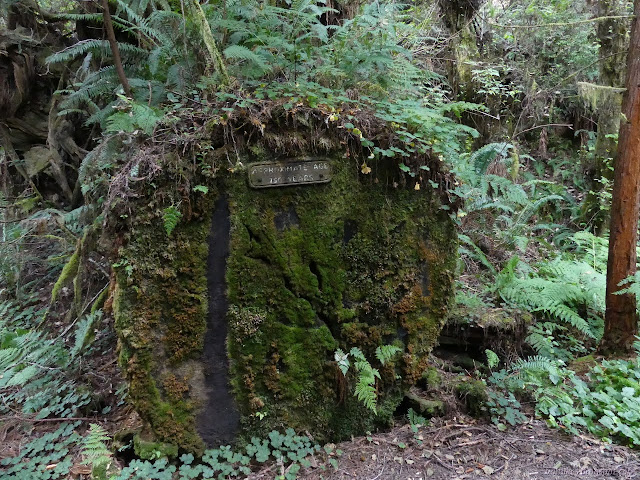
[139,117]
[365,389]
[481,158]
[239,52]
[38,372]
[568,291]
[84,332]
[100,48]
[95,450]
[342,359]
[542,339]
[384,353]
[171,216]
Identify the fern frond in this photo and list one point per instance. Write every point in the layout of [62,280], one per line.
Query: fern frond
[171,216]
[238,52]
[94,447]
[384,353]
[366,392]
[83,332]
[481,158]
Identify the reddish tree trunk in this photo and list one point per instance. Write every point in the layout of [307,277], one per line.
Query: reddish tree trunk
[621,320]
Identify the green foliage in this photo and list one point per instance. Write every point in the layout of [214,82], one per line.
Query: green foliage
[287,449]
[39,372]
[171,216]
[502,207]
[45,457]
[605,402]
[504,407]
[492,358]
[95,451]
[561,290]
[133,117]
[536,50]
[365,390]
[155,63]
[201,189]
[481,158]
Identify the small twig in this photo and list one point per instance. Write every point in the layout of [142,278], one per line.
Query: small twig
[480,112]
[475,442]
[505,464]
[570,125]
[384,465]
[69,419]
[442,463]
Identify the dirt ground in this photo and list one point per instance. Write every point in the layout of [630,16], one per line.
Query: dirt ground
[462,449]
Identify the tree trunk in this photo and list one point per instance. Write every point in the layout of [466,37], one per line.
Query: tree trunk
[612,36]
[115,51]
[457,16]
[621,320]
[214,61]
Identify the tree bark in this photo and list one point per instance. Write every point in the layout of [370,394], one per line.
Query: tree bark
[214,62]
[621,319]
[115,51]
[612,37]
[457,16]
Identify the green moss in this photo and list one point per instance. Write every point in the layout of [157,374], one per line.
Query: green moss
[425,406]
[69,271]
[337,265]
[474,395]
[354,262]
[430,379]
[582,365]
[160,309]
[150,450]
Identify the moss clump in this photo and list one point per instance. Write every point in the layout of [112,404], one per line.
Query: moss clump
[430,379]
[582,365]
[425,406]
[474,395]
[69,271]
[150,450]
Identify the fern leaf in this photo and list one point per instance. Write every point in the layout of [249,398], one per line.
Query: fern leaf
[384,353]
[342,359]
[238,52]
[171,216]
[94,447]
[84,331]
[481,158]
[23,376]
[366,393]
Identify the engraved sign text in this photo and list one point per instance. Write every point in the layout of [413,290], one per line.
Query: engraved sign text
[281,174]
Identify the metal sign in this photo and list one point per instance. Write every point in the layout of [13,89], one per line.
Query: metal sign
[289,172]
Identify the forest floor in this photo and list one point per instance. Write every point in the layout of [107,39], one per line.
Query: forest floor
[462,448]
[453,447]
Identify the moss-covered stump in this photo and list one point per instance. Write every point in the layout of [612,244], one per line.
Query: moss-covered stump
[356,262]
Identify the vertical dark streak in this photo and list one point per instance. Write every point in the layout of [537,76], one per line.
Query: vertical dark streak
[219,420]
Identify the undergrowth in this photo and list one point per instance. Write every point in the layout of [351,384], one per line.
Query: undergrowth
[605,401]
